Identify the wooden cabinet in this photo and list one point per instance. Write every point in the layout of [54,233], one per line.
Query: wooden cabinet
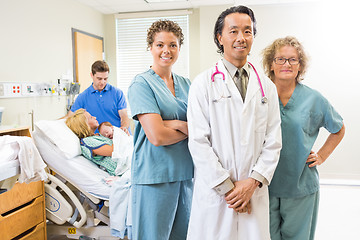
[15,131]
[22,209]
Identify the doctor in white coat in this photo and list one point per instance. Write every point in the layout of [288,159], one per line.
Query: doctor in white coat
[235,143]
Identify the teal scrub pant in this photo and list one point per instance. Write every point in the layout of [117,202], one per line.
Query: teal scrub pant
[161,211]
[293,218]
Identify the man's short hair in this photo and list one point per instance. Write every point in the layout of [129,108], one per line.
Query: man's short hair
[99,66]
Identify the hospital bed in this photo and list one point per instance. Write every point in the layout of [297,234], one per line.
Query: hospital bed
[76,195]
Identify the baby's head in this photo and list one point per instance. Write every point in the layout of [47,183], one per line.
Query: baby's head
[106,129]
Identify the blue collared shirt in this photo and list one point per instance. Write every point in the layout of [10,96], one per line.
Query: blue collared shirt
[103,105]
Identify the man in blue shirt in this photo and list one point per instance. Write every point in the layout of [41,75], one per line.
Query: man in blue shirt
[102,100]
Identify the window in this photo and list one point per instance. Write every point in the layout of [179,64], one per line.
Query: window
[132,54]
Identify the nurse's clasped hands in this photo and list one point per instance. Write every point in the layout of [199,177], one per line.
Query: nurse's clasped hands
[239,197]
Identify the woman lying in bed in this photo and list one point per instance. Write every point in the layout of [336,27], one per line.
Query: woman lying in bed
[94,147]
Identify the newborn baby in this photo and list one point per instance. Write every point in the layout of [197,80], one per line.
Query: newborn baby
[106,129]
[123,145]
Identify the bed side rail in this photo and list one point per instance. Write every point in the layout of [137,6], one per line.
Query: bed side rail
[57,208]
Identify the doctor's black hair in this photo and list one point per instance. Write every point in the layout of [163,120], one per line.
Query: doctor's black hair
[219,25]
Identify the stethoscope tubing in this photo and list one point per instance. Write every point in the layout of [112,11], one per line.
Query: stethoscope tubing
[263,99]
[257,75]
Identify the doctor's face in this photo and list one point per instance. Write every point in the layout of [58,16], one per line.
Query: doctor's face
[99,80]
[286,71]
[165,49]
[237,38]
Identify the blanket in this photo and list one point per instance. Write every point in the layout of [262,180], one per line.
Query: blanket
[123,149]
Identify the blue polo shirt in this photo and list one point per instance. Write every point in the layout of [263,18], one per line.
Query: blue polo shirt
[103,105]
[301,119]
[148,93]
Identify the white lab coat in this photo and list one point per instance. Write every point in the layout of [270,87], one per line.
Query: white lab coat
[230,138]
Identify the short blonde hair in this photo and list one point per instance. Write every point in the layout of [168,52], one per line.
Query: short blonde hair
[269,53]
[78,124]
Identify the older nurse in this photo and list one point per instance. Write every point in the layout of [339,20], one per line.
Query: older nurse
[294,190]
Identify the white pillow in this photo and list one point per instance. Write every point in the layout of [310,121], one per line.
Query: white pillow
[60,135]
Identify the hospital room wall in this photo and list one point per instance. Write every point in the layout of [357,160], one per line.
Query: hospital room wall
[331,38]
[110,46]
[36,46]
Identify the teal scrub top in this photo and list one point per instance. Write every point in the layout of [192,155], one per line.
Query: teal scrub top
[301,119]
[148,93]
[94,142]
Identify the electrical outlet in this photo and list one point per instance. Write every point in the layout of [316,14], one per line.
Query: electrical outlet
[16,89]
[13,89]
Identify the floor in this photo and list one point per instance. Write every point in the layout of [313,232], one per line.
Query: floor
[339,212]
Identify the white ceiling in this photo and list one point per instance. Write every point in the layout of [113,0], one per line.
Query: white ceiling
[122,6]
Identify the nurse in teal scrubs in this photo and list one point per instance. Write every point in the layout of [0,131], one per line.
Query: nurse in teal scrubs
[162,167]
[294,189]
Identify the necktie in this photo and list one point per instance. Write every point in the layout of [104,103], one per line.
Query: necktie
[241,82]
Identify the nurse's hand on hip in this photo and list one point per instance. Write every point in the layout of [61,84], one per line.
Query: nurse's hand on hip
[314,159]
[239,197]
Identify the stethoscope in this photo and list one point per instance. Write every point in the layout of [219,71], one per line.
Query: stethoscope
[263,98]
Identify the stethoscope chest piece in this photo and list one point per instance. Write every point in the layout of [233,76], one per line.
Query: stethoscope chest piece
[264,100]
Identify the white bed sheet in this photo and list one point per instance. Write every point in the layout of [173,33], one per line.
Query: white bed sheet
[9,169]
[84,174]
[9,162]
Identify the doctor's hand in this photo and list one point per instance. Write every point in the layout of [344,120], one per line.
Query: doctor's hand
[239,197]
[246,209]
